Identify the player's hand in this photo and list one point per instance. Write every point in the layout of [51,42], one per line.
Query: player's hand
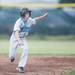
[20,42]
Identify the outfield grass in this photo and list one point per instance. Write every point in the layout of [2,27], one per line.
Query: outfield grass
[70,73]
[47,47]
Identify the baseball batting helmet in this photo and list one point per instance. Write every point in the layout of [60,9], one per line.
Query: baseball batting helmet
[24,11]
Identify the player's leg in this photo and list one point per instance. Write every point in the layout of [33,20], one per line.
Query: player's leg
[12,49]
[23,59]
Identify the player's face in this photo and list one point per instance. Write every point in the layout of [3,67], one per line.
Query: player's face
[26,16]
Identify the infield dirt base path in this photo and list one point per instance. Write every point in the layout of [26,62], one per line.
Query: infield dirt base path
[39,65]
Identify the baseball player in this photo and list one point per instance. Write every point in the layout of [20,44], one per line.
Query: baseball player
[18,37]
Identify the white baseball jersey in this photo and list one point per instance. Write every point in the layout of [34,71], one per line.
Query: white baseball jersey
[23,26]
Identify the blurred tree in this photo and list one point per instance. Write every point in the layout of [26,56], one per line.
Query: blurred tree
[67,1]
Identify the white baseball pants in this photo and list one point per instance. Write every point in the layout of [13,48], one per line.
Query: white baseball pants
[12,52]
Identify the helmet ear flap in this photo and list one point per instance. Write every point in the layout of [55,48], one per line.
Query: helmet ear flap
[29,13]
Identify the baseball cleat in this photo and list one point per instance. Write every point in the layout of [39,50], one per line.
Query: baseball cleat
[12,59]
[20,69]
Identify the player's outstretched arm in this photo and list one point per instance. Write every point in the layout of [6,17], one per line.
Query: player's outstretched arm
[41,17]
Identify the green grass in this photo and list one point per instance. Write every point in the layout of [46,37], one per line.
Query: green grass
[70,73]
[53,37]
[47,47]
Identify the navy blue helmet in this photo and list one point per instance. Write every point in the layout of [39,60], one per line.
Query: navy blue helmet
[24,11]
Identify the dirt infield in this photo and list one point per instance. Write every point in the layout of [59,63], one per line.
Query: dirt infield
[39,65]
